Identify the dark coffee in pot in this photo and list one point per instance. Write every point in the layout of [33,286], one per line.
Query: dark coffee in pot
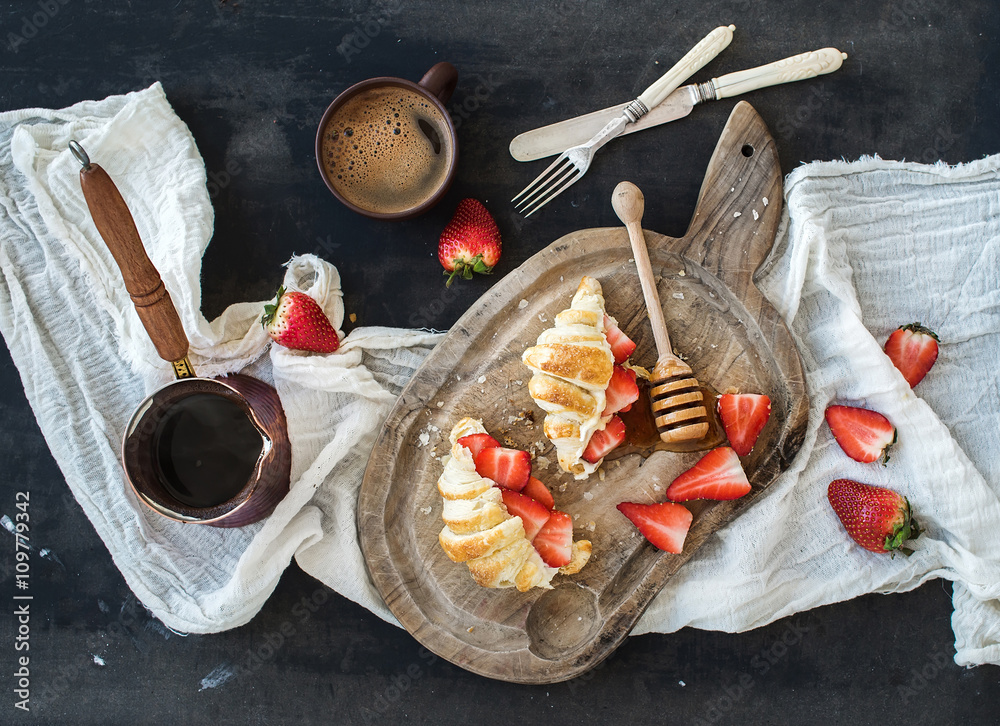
[205,450]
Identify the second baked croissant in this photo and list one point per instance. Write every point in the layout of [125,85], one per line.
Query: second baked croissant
[572,364]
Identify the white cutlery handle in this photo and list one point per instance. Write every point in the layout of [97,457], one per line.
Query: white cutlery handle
[709,47]
[796,68]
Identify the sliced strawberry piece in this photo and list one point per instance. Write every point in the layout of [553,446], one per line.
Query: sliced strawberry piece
[717,475]
[603,441]
[477,442]
[539,492]
[510,468]
[533,514]
[664,524]
[621,392]
[743,416]
[864,435]
[621,345]
[554,541]
[912,349]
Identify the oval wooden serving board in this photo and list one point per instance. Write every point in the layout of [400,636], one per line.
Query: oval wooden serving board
[719,322]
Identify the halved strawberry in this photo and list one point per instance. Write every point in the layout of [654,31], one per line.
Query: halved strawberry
[554,541]
[539,492]
[621,345]
[603,441]
[533,514]
[864,435]
[477,442]
[717,475]
[912,349]
[510,468]
[743,416]
[664,524]
[621,392]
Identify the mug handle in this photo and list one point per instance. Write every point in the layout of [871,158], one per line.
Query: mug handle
[440,81]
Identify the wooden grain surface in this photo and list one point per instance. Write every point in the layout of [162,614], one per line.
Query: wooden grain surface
[719,322]
[113,220]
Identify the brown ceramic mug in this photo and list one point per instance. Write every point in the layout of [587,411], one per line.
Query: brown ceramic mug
[387,148]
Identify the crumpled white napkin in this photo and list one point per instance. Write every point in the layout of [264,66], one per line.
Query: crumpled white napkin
[865,247]
[86,362]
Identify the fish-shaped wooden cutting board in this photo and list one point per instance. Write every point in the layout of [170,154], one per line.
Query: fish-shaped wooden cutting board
[725,329]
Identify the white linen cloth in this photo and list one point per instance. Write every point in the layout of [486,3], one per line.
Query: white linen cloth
[86,361]
[864,248]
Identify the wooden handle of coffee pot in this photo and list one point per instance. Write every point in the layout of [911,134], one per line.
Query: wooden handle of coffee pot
[152,301]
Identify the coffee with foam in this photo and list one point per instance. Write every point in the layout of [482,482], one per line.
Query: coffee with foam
[387,149]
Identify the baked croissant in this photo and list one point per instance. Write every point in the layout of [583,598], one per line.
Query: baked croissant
[572,364]
[480,532]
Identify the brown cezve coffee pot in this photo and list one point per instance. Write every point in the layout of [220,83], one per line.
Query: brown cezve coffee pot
[198,450]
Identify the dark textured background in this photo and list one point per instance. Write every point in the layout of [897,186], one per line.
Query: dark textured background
[252,79]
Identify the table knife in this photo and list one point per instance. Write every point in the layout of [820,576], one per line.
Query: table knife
[556,138]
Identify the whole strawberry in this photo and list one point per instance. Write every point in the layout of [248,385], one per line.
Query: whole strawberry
[877,519]
[470,242]
[912,349]
[294,320]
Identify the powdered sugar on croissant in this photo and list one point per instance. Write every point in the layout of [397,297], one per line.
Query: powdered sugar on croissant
[572,364]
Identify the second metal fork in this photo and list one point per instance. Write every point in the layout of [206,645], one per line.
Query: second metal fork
[574,162]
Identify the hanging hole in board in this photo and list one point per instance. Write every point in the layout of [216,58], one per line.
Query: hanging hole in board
[747,150]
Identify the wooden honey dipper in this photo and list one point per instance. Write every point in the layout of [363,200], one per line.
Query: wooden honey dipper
[678,403]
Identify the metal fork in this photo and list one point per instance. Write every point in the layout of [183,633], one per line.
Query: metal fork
[574,162]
